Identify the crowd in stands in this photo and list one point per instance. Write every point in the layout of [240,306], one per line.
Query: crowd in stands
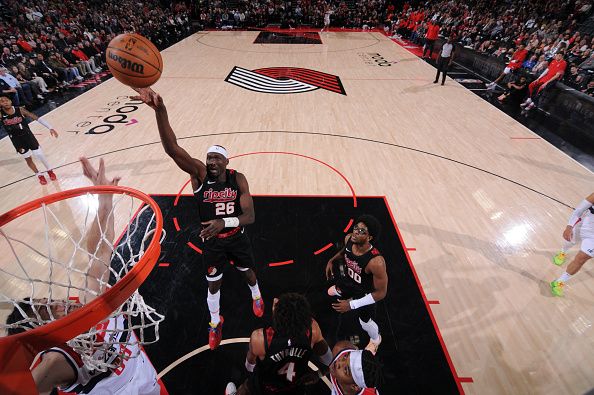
[499,28]
[49,47]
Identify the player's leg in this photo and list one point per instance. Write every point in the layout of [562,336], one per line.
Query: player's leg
[214,262]
[586,252]
[37,152]
[26,153]
[239,250]
[559,258]
[366,314]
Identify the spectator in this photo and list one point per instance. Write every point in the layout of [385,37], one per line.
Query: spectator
[514,64]
[554,72]
[21,94]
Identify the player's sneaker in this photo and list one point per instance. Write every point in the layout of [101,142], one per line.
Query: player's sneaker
[215,334]
[559,259]
[333,291]
[42,179]
[52,175]
[231,389]
[258,307]
[557,288]
[373,346]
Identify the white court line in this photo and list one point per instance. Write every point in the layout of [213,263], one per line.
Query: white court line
[227,341]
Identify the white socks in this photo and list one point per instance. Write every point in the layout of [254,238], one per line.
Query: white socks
[564,277]
[213,301]
[371,329]
[255,291]
[38,153]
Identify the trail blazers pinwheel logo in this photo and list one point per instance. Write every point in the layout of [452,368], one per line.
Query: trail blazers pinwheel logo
[284,80]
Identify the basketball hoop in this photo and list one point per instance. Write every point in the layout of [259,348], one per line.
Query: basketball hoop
[45,267]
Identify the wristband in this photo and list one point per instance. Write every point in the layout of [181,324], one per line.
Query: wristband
[249,366]
[44,123]
[364,301]
[578,212]
[231,222]
[327,357]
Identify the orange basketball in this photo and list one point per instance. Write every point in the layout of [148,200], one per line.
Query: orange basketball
[134,60]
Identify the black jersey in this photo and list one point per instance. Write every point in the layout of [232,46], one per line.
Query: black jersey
[285,362]
[14,124]
[219,199]
[359,282]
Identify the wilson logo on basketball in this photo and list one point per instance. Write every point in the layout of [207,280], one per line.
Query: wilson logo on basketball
[284,80]
[127,64]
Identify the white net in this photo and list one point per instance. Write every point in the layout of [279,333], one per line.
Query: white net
[62,256]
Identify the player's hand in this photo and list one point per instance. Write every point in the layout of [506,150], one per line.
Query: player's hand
[149,97]
[212,228]
[568,233]
[329,269]
[53,133]
[342,306]
[98,177]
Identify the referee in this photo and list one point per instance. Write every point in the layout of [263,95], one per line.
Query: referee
[446,57]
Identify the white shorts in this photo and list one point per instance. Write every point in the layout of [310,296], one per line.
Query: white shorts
[144,381]
[586,236]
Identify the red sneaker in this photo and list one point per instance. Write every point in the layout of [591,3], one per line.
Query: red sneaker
[52,175]
[42,179]
[215,334]
[258,307]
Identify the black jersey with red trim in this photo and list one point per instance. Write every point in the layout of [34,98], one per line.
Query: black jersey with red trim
[285,362]
[358,282]
[217,200]
[15,124]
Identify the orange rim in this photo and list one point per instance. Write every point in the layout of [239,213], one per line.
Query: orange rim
[81,320]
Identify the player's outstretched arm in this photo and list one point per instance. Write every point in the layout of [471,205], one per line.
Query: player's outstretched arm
[53,371]
[181,157]
[44,123]
[101,234]
[319,345]
[256,349]
[377,267]
[248,215]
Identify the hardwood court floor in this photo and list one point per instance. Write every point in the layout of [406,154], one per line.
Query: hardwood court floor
[480,199]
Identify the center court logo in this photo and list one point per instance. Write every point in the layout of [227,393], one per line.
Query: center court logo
[284,80]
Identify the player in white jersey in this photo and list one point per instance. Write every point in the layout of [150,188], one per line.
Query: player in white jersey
[327,19]
[61,366]
[353,371]
[579,228]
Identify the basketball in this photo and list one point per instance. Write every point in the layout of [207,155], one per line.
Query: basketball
[134,60]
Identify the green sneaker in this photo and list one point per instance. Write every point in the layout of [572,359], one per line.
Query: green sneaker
[559,259]
[557,288]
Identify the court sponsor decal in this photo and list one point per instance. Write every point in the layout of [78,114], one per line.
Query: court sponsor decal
[375,59]
[284,80]
[105,119]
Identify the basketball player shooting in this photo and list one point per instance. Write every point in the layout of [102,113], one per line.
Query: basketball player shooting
[278,356]
[366,280]
[225,207]
[61,367]
[25,143]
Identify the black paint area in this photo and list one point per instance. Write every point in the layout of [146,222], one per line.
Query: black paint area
[287,228]
[288,38]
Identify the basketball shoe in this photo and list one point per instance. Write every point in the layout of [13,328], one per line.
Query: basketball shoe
[42,179]
[559,259]
[373,346]
[52,175]
[557,288]
[258,307]
[215,334]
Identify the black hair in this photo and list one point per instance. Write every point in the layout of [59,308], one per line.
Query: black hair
[292,315]
[16,316]
[372,370]
[373,225]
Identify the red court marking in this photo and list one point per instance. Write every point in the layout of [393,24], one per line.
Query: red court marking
[526,138]
[323,249]
[433,302]
[346,228]
[412,268]
[192,246]
[411,249]
[466,379]
[280,263]
[164,264]
[175,224]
